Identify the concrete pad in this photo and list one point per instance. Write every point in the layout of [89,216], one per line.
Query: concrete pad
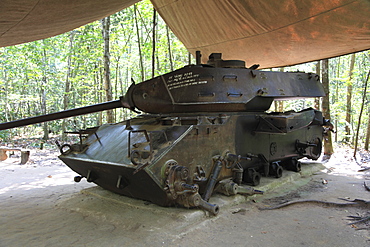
[142,211]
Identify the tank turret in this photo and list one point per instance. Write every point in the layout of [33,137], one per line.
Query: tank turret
[220,86]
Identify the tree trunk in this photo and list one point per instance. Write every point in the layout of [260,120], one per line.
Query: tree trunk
[43,95]
[169,47]
[328,145]
[139,45]
[360,115]
[153,44]
[116,95]
[43,108]
[336,98]
[367,133]
[107,83]
[349,100]
[7,107]
[67,84]
[317,99]
[100,95]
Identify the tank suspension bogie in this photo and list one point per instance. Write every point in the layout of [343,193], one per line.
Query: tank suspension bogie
[252,177]
[179,191]
[227,187]
[276,170]
[292,164]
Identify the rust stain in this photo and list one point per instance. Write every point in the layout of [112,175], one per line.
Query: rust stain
[315,34]
[294,35]
[291,7]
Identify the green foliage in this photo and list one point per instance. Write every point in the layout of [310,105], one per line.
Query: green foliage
[5,135]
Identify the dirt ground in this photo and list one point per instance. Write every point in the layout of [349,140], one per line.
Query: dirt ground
[42,206]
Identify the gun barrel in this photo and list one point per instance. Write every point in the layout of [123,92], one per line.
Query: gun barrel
[63,114]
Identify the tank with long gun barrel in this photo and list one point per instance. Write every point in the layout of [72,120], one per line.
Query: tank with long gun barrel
[205,129]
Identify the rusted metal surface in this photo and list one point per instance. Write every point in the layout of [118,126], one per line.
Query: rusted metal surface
[62,114]
[189,158]
[210,88]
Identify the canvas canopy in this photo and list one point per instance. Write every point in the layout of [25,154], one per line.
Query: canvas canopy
[269,32]
[23,21]
[266,32]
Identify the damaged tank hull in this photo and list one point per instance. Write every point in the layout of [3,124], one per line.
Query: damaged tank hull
[205,129]
[135,157]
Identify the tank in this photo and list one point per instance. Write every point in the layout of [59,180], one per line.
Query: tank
[205,130]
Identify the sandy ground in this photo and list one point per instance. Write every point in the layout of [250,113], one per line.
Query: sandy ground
[40,205]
